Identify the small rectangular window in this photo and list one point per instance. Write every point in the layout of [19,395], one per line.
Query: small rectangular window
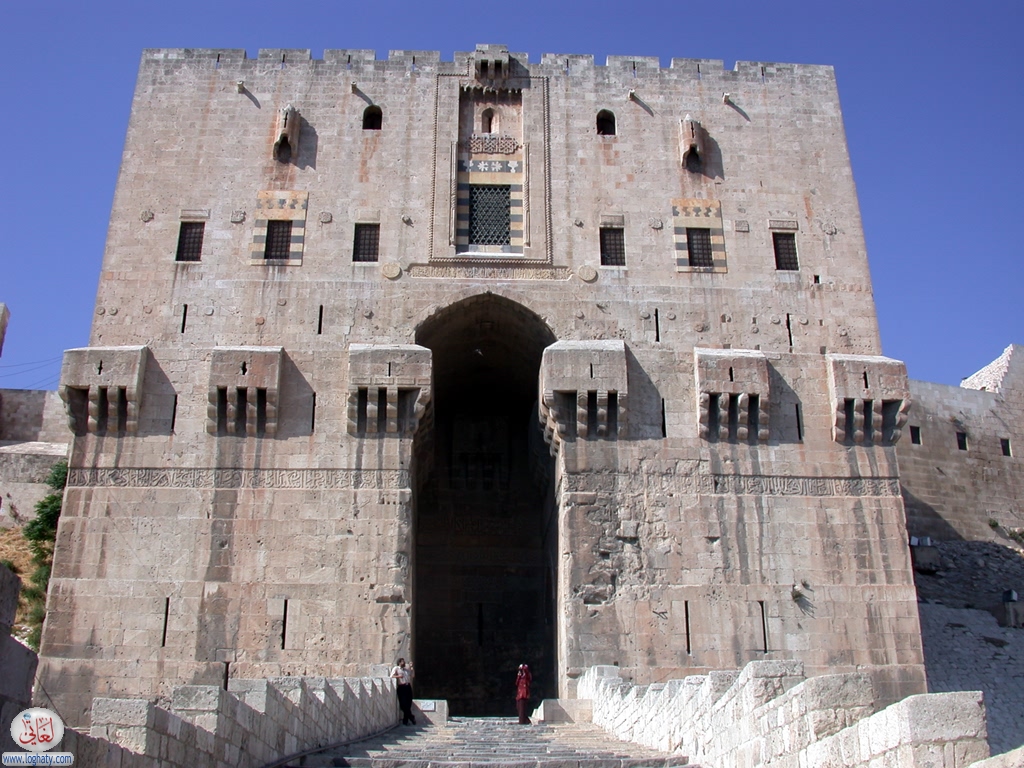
[366,245]
[613,247]
[1004,444]
[698,245]
[279,240]
[915,435]
[190,241]
[785,250]
[961,441]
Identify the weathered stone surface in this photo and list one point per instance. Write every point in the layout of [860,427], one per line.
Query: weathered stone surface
[962,477]
[824,721]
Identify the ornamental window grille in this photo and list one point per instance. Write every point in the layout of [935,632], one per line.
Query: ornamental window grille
[489,219]
[279,240]
[613,247]
[190,241]
[785,250]
[698,245]
[366,246]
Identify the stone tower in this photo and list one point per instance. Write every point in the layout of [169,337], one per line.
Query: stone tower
[481,362]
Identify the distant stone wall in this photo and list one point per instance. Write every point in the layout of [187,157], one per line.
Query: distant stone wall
[33,415]
[17,663]
[24,468]
[954,468]
[254,723]
[769,714]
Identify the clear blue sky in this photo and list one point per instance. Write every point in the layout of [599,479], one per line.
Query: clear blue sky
[931,93]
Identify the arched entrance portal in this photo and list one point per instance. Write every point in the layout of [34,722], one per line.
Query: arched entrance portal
[485,528]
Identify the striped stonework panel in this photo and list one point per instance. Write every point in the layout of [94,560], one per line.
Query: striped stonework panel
[704,220]
[481,184]
[279,206]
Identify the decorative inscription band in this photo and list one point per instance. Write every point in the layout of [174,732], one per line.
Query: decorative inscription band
[312,479]
[496,272]
[734,485]
[342,479]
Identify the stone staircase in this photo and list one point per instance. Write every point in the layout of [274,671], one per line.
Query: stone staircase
[493,742]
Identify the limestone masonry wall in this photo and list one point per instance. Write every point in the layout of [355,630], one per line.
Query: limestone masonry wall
[767,714]
[967,468]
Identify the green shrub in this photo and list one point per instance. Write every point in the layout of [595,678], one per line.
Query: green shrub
[41,534]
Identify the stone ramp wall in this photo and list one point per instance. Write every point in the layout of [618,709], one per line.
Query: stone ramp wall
[770,714]
[253,724]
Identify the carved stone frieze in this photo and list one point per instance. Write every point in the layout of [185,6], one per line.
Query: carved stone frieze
[731,485]
[490,144]
[206,477]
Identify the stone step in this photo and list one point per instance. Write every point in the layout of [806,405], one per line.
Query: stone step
[494,742]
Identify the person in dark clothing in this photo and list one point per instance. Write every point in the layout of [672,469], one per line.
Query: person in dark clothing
[403,675]
[523,680]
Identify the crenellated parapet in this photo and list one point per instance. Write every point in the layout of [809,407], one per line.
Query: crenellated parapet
[732,394]
[870,398]
[243,391]
[102,388]
[389,388]
[359,61]
[584,391]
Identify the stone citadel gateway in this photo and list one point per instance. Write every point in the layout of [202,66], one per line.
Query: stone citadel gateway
[481,362]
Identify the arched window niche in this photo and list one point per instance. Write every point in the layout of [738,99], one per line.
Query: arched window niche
[373,118]
[605,123]
[489,121]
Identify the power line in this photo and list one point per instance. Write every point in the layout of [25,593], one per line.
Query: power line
[27,370]
[34,362]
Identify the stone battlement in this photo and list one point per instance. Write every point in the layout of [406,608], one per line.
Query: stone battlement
[431,62]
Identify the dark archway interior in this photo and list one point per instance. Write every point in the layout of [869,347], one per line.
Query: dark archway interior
[485,533]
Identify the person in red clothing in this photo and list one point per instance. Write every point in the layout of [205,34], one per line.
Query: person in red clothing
[523,680]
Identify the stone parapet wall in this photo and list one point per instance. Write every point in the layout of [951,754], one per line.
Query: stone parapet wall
[254,723]
[960,468]
[769,714]
[17,663]
[30,415]
[24,468]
